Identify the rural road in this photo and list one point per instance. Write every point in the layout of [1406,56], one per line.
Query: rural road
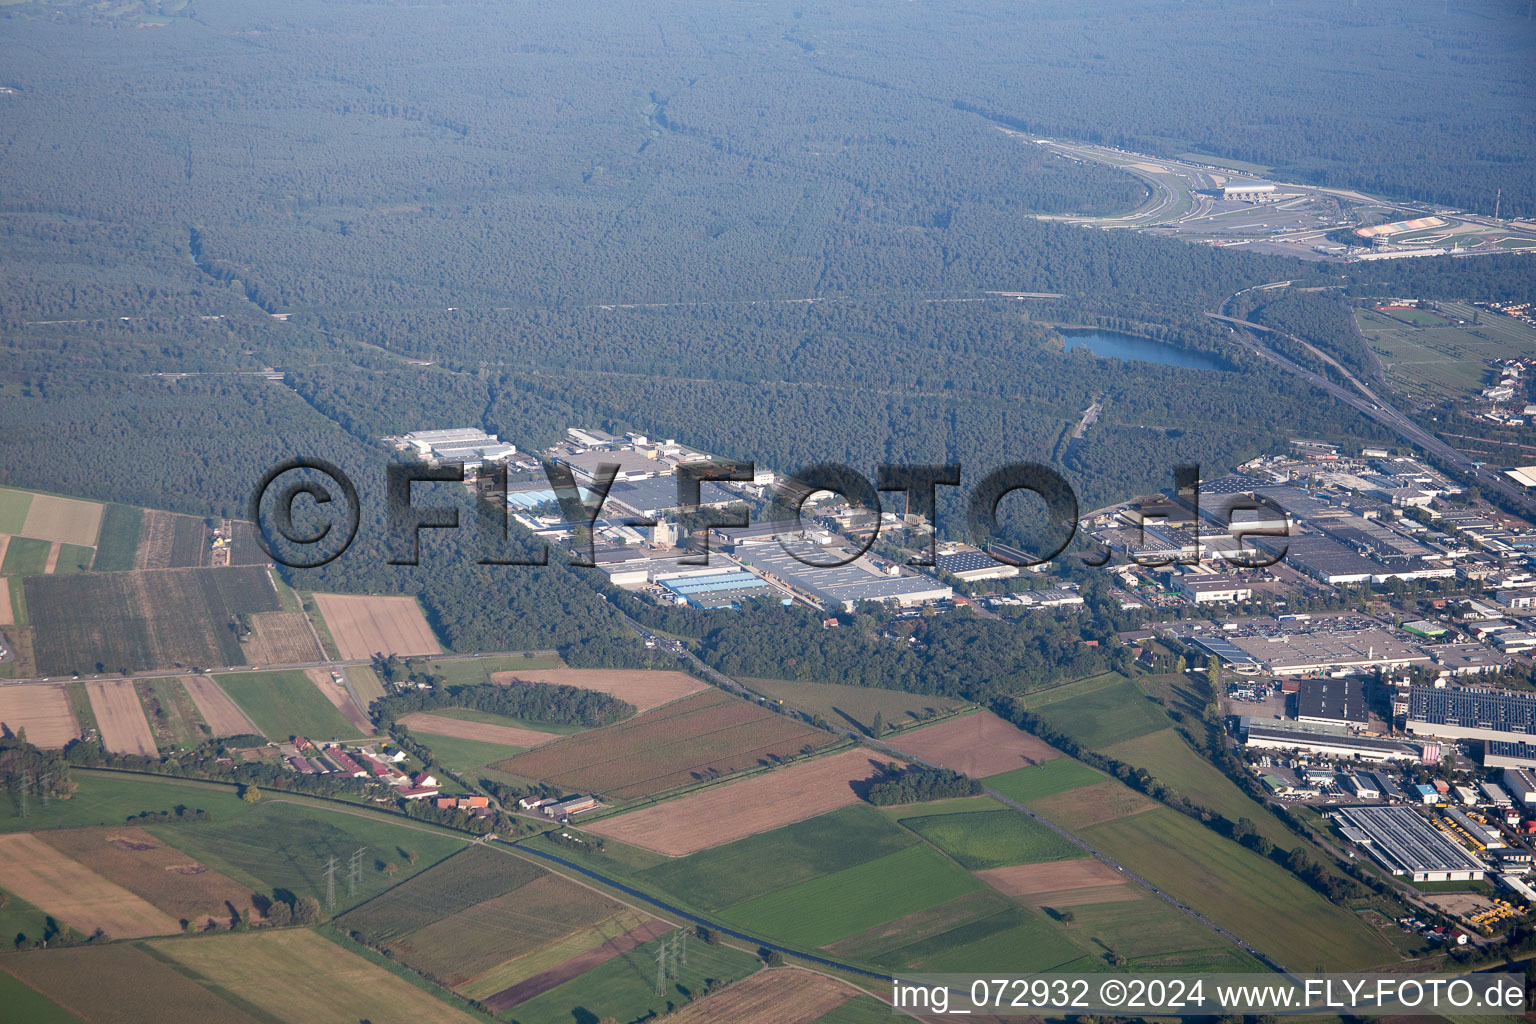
[729,684]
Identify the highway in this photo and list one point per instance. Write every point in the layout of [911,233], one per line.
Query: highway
[1369,404]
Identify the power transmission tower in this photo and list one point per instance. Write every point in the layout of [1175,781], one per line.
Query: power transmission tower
[26,784]
[330,884]
[355,871]
[661,968]
[682,945]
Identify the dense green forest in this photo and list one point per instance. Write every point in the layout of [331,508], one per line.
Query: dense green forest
[767,230]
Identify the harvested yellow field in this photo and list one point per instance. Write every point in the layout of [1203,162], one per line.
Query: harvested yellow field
[787,995]
[281,638]
[364,625]
[40,708]
[73,893]
[340,699]
[63,519]
[505,735]
[7,615]
[740,809]
[223,715]
[645,689]
[977,745]
[53,558]
[120,717]
[1061,883]
[297,975]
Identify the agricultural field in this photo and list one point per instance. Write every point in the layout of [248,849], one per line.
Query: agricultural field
[1061,883]
[837,905]
[1093,804]
[365,681]
[701,737]
[1434,358]
[786,996]
[162,993]
[363,626]
[1171,761]
[40,708]
[574,966]
[170,541]
[1099,711]
[28,1004]
[977,745]
[222,715]
[484,732]
[992,839]
[142,620]
[624,987]
[106,798]
[480,938]
[298,975]
[551,965]
[281,638]
[13,510]
[72,558]
[117,547]
[25,557]
[770,861]
[73,893]
[1055,776]
[1239,890]
[336,693]
[854,706]
[161,875]
[282,844]
[120,717]
[469,877]
[645,689]
[172,715]
[861,1010]
[7,610]
[63,520]
[477,671]
[725,813]
[286,704]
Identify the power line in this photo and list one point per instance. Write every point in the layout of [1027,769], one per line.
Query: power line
[355,871]
[330,884]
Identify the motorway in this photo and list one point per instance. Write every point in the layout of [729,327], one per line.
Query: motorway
[1371,405]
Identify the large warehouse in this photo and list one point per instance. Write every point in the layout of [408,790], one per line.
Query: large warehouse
[1403,842]
[1325,741]
[842,586]
[1471,713]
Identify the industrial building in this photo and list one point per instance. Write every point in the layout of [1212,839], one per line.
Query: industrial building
[1211,589]
[467,446]
[1508,754]
[1321,649]
[727,589]
[972,565]
[1326,741]
[1248,191]
[1404,843]
[1520,783]
[1471,713]
[1332,702]
[841,586]
[654,495]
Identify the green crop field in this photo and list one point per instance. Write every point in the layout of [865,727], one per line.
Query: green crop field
[25,557]
[463,880]
[1099,711]
[1055,776]
[1152,935]
[27,1004]
[1014,940]
[993,839]
[466,756]
[469,671]
[1172,762]
[834,906]
[14,506]
[284,704]
[19,919]
[74,558]
[859,1010]
[170,712]
[624,988]
[105,798]
[278,844]
[853,705]
[760,864]
[1239,890]
[954,805]
[118,541]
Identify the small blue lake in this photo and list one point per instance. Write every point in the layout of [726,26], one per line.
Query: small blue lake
[1114,345]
